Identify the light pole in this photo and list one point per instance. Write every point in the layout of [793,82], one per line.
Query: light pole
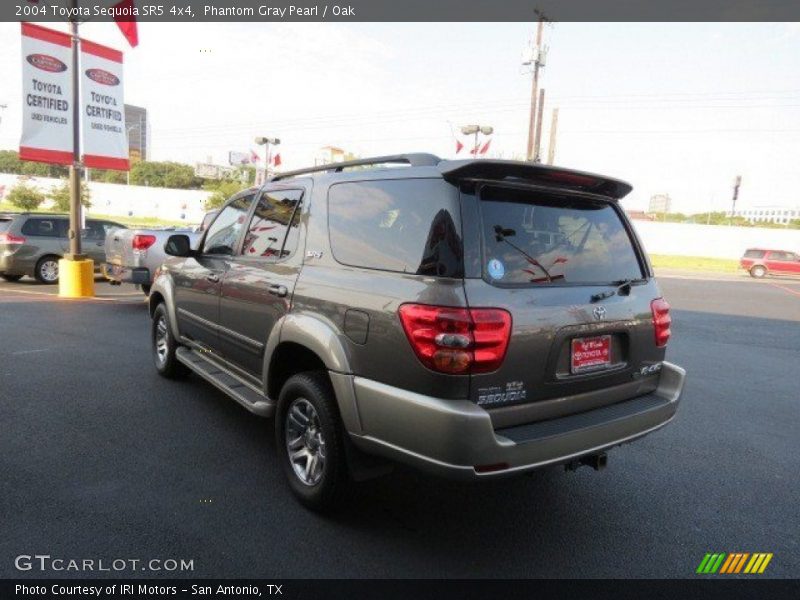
[2,107]
[475,130]
[266,142]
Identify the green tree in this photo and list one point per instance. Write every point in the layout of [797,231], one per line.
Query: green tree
[222,191]
[164,174]
[26,197]
[10,162]
[61,197]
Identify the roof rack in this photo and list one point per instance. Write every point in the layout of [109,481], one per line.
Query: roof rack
[412,160]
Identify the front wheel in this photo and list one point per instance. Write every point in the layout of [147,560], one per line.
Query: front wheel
[758,272]
[309,440]
[164,345]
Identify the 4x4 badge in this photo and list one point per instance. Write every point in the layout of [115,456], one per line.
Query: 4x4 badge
[599,313]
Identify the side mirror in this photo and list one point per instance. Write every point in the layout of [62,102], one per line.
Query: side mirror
[178,245]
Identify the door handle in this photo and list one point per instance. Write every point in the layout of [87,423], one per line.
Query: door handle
[213,278]
[278,290]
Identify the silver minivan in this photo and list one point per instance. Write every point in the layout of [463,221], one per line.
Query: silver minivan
[32,243]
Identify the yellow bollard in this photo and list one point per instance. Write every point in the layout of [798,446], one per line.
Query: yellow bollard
[76,278]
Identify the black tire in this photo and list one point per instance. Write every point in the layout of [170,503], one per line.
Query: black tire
[47,270]
[324,485]
[11,278]
[164,345]
[758,271]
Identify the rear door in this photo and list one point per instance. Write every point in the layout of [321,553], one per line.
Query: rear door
[555,260]
[199,282]
[260,278]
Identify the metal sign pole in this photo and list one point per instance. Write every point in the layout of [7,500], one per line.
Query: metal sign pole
[75,168]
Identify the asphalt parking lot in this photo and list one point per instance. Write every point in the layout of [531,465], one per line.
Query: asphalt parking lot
[101,458]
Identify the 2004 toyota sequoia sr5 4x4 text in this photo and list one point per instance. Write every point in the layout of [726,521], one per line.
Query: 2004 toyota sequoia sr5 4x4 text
[476,318]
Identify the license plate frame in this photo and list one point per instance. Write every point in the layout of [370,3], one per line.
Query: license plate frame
[593,354]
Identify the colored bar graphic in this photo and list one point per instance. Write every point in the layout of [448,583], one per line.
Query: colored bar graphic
[734,563]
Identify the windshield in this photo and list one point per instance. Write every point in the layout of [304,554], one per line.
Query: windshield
[538,239]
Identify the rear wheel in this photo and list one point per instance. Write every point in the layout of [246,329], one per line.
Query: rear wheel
[309,440]
[164,345]
[47,270]
[758,272]
[9,277]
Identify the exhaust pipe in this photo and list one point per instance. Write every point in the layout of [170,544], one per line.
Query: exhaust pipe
[596,461]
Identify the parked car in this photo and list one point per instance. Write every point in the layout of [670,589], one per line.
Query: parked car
[475,318]
[133,255]
[759,262]
[32,243]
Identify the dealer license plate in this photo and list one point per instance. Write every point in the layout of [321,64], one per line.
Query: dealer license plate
[591,353]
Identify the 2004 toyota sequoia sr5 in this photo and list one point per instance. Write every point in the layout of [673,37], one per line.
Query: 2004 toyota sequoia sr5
[476,318]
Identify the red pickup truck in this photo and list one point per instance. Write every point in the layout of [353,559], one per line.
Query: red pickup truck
[760,262]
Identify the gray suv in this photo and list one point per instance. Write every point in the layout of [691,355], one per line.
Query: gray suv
[32,243]
[475,318]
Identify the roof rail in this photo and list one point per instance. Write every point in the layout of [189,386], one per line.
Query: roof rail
[412,160]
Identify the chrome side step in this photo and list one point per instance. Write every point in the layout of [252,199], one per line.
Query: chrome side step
[227,381]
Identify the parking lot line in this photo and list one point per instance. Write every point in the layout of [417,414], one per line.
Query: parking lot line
[46,295]
[785,289]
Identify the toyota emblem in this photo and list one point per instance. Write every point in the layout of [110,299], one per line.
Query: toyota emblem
[599,313]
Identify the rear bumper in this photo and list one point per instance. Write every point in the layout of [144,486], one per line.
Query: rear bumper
[137,275]
[453,437]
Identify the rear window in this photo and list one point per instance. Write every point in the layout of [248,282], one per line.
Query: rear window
[754,254]
[45,227]
[403,225]
[535,239]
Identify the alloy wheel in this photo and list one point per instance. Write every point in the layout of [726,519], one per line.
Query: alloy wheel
[305,444]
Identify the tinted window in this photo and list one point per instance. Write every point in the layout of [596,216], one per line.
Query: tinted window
[224,232]
[530,238]
[781,256]
[94,231]
[754,254]
[45,227]
[267,235]
[407,225]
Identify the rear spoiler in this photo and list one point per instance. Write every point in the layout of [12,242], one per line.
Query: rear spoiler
[455,170]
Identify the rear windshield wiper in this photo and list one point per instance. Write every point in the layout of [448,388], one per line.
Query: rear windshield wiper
[502,233]
[622,287]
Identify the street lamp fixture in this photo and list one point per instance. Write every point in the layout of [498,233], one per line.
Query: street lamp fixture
[475,130]
[266,142]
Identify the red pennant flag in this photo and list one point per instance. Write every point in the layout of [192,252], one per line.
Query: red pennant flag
[277,160]
[127,23]
[459,146]
[475,150]
[485,148]
[254,158]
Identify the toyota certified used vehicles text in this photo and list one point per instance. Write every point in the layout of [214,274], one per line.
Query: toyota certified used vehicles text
[32,243]
[475,318]
[759,262]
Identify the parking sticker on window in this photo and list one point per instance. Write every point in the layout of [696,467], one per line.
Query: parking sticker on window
[496,269]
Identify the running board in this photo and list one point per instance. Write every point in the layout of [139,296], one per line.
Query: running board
[254,401]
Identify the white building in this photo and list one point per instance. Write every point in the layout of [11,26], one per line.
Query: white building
[769,214]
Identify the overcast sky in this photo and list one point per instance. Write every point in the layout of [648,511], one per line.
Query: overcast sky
[672,108]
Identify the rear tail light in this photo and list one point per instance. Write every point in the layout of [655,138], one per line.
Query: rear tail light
[11,239]
[457,340]
[143,242]
[661,321]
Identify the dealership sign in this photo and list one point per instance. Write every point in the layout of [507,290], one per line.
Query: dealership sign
[105,143]
[47,124]
[48,96]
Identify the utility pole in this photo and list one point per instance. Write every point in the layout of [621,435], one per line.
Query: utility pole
[736,183]
[551,151]
[538,61]
[538,140]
